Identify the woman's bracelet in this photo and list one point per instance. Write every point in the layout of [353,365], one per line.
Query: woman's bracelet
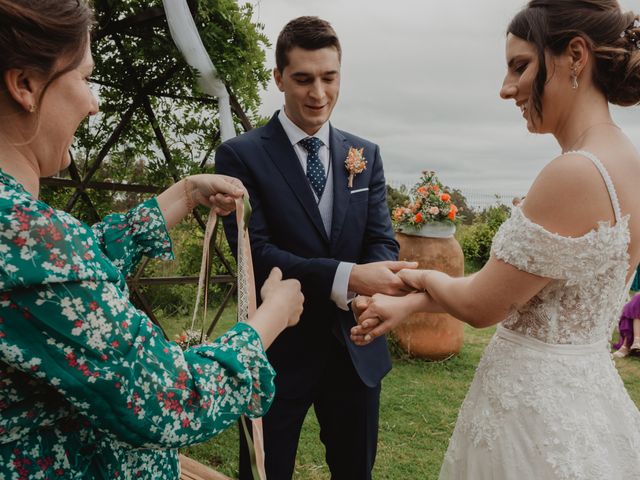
[188,196]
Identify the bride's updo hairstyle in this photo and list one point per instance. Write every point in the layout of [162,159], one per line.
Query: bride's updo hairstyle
[612,36]
[49,36]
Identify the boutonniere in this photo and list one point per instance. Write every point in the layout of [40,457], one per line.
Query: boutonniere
[355,163]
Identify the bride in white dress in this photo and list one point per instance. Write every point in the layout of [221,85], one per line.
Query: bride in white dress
[546,401]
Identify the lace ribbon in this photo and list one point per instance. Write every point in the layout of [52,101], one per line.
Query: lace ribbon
[246,307]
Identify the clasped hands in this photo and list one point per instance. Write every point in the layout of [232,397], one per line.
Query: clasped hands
[383,311]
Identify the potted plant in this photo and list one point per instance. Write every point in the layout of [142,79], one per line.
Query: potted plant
[429,212]
[425,225]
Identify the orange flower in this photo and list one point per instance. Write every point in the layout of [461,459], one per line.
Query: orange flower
[424,191]
[397,213]
[418,218]
[435,188]
[452,212]
[445,197]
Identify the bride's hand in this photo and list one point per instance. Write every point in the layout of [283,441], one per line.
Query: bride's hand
[359,305]
[383,314]
[218,192]
[414,279]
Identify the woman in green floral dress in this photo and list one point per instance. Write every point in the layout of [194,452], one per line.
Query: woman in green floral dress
[89,387]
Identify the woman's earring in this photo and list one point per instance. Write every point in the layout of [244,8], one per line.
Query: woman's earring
[574,78]
[32,108]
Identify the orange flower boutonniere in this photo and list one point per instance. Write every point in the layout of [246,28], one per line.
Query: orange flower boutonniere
[355,163]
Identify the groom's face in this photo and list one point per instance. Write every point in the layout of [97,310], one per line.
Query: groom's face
[311,84]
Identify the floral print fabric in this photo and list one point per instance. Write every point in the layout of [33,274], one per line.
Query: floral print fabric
[89,387]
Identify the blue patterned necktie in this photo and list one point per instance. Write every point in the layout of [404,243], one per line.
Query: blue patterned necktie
[315,171]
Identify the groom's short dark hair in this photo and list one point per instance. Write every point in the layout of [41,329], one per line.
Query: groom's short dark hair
[309,33]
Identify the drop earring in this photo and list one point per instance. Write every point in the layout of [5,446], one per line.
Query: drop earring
[574,78]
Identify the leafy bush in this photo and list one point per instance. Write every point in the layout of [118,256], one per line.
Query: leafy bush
[476,239]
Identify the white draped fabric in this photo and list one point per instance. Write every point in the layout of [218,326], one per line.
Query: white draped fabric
[186,37]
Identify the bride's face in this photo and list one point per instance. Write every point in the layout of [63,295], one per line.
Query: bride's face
[522,68]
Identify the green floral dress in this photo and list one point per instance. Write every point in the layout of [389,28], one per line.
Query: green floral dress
[89,387]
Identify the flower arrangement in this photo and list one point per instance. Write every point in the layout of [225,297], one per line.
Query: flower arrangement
[429,202]
[190,338]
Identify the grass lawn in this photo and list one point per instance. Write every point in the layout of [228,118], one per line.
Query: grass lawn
[419,405]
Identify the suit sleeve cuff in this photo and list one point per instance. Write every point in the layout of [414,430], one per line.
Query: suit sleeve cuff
[339,294]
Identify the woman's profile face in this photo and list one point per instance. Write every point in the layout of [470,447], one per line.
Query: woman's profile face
[522,68]
[66,103]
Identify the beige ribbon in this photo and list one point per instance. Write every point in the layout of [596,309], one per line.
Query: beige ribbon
[246,300]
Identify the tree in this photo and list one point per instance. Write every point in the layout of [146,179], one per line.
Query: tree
[154,122]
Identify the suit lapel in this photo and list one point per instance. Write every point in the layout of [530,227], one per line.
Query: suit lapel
[280,150]
[341,193]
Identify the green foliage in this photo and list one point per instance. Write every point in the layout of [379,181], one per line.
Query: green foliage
[396,197]
[476,239]
[142,55]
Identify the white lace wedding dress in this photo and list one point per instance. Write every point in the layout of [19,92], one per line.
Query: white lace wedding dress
[546,401]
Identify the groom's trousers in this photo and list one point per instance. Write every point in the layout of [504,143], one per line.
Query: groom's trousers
[347,411]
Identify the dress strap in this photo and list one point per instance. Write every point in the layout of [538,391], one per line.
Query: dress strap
[607,180]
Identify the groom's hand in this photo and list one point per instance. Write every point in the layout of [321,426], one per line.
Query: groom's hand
[379,277]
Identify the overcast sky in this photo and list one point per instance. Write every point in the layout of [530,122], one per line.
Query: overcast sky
[421,79]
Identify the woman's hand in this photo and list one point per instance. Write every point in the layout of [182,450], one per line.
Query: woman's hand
[284,296]
[384,313]
[218,192]
[281,307]
[413,279]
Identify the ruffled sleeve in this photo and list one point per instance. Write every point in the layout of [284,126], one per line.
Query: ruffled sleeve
[125,238]
[531,248]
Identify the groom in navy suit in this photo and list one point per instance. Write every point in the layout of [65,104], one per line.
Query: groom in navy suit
[335,238]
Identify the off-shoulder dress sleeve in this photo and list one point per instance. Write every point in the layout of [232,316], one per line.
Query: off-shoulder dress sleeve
[531,248]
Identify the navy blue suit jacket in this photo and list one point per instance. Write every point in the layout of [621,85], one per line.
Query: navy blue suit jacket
[286,231]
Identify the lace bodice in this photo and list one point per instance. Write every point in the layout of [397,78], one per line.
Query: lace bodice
[582,303]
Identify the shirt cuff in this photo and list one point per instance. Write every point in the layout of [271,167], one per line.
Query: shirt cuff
[339,294]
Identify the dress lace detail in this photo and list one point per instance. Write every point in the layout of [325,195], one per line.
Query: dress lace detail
[546,400]
[582,303]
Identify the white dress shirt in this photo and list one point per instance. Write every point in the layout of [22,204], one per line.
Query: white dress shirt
[339,294]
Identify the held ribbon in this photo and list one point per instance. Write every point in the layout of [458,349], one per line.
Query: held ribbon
[246,308]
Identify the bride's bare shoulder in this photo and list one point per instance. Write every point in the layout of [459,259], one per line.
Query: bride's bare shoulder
[569,196]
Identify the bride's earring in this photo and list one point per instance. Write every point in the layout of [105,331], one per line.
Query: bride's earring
[574,78]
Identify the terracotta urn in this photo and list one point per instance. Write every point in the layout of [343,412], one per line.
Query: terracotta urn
[431,335]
